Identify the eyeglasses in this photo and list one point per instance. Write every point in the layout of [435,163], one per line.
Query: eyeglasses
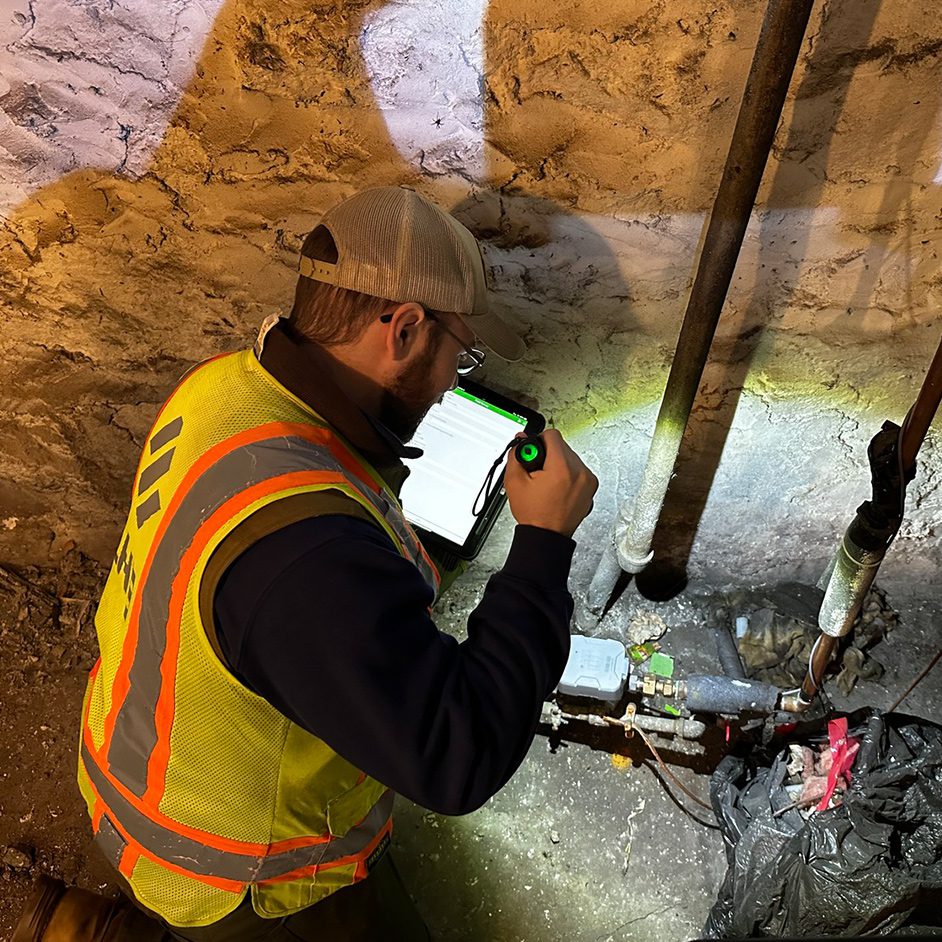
[469,359]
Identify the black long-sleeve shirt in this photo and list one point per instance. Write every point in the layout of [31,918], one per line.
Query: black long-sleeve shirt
[331,625]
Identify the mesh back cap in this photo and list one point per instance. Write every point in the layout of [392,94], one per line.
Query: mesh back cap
[394,243]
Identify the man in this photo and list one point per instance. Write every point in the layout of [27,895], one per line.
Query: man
[270,672]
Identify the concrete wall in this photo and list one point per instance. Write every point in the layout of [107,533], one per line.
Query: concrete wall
[160,165]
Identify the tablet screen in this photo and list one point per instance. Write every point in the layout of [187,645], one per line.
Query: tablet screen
[461,437]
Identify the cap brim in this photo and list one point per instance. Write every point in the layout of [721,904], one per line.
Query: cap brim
[496,335]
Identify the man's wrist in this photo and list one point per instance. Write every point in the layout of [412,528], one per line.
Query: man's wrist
[540,556]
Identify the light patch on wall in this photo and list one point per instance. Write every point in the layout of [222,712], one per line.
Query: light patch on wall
[425,62]
[90,85]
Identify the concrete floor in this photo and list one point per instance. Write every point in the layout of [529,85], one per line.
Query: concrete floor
[582,845]
[573,848]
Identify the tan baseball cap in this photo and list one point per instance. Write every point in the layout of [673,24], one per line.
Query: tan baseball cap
[394,243]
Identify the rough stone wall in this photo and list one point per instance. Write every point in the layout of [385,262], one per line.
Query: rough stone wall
[161,163]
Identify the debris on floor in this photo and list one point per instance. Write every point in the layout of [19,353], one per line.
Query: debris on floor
[777,627]
[865,863]
[818,777]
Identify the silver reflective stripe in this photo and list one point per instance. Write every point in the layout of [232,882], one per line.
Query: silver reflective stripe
[166,434]
[199,859]
[110,842]
[135,731]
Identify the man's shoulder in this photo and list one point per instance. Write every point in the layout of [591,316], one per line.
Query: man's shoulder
[293,509]
[335,511]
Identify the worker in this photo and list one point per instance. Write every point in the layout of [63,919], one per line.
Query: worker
[270,673]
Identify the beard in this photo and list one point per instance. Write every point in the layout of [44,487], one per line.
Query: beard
[406,403]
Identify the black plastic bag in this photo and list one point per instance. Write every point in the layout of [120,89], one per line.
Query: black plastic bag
[867,867]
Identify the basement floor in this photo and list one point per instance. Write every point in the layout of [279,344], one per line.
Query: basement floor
[588,842]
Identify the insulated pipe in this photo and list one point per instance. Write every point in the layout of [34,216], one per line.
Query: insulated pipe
[772,66]
[709,693]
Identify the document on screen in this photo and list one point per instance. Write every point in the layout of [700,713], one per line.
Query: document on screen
[461,436]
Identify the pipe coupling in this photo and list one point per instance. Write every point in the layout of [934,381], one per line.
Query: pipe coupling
[793,702]
[631,561]
[634,532]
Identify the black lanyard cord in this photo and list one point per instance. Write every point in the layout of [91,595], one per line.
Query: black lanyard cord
[484,495]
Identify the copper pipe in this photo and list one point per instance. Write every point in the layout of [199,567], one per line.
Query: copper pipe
[923,411]
[817,664]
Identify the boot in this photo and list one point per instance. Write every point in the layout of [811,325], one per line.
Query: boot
[56,913]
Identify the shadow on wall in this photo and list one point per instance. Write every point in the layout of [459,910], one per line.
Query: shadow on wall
[815,153]
[115,286]
[119,285]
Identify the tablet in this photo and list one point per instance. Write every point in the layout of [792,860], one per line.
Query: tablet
[461,437]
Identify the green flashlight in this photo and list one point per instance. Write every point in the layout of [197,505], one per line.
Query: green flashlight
[531,453]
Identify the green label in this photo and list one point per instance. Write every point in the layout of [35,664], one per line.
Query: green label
[519,419]
[662,665]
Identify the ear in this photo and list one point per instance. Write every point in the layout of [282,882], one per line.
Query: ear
[402,332]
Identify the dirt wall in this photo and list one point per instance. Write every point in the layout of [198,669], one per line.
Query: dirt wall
[160,166]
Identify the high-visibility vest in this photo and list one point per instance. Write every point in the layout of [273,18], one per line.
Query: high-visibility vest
[199,790]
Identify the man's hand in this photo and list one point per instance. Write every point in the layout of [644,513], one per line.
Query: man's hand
[557,498]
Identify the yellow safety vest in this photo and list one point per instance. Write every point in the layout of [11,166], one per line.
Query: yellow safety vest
[199,790]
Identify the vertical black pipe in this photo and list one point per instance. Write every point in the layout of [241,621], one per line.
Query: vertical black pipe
[728,653]
[772,66]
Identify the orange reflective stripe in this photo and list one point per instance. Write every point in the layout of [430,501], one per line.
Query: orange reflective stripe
[121,683]
[358,858]
[128,858]
[160,757]
[216,841]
